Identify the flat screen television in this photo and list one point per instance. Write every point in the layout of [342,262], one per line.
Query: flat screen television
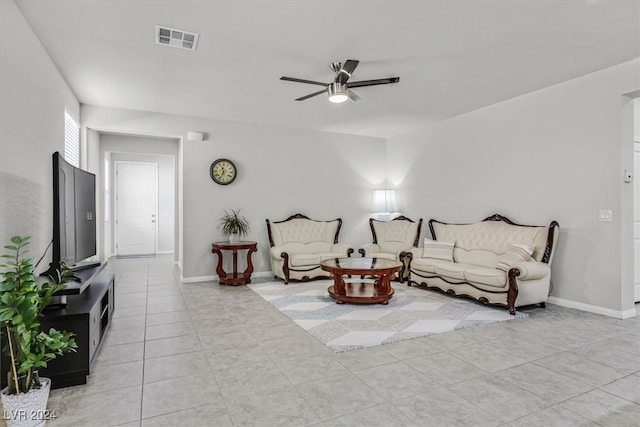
[74,217]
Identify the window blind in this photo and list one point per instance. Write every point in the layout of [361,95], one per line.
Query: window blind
[71,140]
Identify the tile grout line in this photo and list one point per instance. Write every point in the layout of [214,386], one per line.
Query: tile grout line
[144,347]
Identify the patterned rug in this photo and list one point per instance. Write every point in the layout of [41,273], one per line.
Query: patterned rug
[411,313]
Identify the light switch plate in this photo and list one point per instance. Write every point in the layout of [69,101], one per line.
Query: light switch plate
[605,215]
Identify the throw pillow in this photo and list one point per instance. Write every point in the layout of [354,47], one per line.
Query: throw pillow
[517,252]
[438,250]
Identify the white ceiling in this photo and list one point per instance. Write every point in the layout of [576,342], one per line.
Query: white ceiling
[451,56]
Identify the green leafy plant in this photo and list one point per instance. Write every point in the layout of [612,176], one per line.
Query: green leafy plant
[22,301]
[234,223]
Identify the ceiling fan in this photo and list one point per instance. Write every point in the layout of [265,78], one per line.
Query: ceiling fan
[339,90]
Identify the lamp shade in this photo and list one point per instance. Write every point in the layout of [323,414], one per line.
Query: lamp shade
[384,201]
[337,93]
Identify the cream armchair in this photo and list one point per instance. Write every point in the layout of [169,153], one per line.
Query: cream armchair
[299,244]
[391,238]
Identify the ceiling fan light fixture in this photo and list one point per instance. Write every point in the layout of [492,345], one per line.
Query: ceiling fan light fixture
[338,93]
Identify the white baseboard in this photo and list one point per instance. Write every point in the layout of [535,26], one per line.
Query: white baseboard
[164,253]
[214,277]
[198,279]
[263,274]
[593,308]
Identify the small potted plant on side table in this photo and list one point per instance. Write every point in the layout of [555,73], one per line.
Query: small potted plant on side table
[234,225]
[29,348]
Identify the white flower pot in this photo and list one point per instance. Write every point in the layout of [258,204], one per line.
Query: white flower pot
[26,409]
[234,238]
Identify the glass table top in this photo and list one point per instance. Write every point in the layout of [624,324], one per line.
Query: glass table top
[362,263]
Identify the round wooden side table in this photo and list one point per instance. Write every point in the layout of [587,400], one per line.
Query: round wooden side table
[234,278]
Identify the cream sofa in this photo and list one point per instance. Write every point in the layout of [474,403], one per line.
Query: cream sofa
[299,244]
[487,261]
[391,238]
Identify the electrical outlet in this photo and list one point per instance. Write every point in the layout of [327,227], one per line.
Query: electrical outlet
[605,215]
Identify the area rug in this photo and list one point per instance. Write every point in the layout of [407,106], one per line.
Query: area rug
[411,313]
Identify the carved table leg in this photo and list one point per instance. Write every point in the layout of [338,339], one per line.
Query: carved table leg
[249,270]
[383,286]
[235,263]
[219,270]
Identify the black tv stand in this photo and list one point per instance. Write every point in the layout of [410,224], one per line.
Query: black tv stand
[88,315]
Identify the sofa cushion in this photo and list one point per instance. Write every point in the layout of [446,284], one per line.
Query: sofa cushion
[438,250]
[302,260]
[425,265]
[461,272]
[517,252]
[301,248]
[385,255]
[452,270]
[485,276]
[305,260]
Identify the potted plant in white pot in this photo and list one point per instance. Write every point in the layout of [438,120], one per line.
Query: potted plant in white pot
[234,225]
[22,301]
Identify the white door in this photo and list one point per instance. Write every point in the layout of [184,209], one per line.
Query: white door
[636,219]
[136,208]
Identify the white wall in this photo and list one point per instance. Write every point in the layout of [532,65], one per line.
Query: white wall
[32,104]
[554,154]
[280,172]
[161,151]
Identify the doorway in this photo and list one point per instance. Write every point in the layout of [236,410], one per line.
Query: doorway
[136,208]
[163,151]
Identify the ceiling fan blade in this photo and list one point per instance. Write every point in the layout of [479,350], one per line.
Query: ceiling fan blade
[375,82]
[311,82]
[346,70]
[354,97]
[311,95]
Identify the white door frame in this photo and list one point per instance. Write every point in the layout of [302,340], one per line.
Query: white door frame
[115,202]
[636,218]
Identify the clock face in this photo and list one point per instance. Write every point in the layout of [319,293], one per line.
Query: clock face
[223,171]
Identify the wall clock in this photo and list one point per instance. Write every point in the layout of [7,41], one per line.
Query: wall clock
[223,171]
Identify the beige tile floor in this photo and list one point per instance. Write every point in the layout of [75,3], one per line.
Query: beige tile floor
[209,355]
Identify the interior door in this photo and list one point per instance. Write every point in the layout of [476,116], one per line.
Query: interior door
[136,208]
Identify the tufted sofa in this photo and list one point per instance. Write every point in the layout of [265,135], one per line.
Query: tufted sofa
[495,261]
[299,244]
[391,238]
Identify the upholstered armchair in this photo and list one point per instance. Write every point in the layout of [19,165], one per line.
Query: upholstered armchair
[299,245]
[391,238]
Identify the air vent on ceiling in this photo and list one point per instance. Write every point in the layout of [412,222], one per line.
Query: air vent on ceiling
[176,38]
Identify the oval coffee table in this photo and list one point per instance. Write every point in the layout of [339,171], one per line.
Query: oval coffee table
[377,292]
